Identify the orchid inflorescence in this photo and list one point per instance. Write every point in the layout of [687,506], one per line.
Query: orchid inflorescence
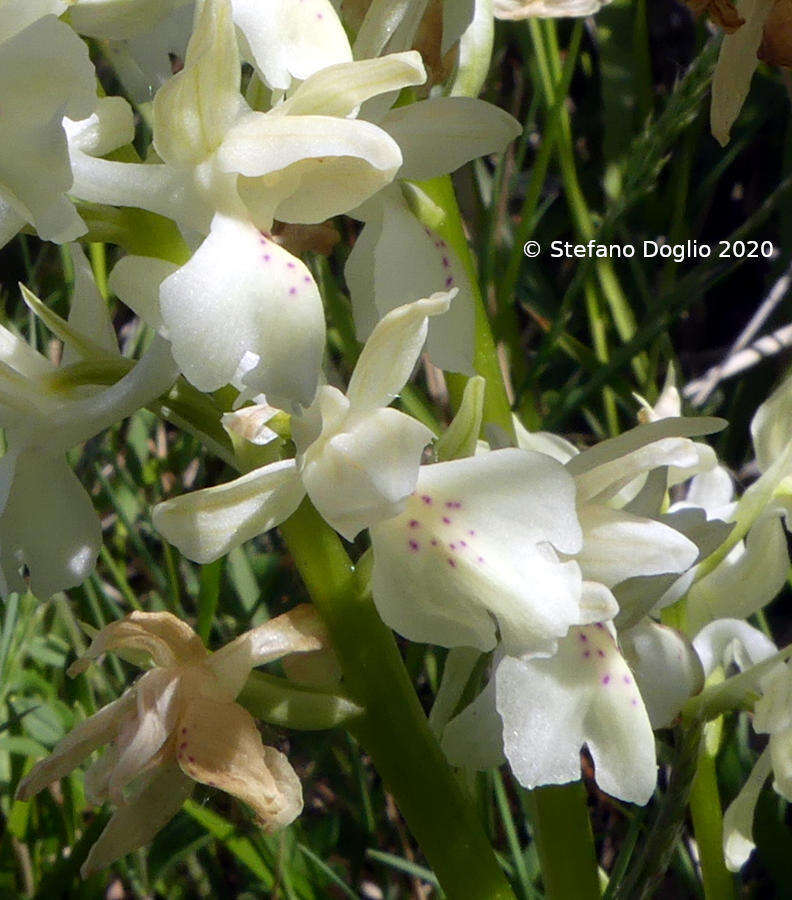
[588,598]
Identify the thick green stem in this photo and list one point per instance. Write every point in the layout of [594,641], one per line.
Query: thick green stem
[497,409]
[565,843]
[394,729]
[707,815]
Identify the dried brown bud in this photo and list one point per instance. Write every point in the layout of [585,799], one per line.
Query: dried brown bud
[776,46]
[722,12]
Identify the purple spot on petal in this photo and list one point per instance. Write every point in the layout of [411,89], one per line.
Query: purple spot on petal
[427,499]
[289,265]
[583,637]
[627,679]
[452,546]
[480,559]
[293,291]
[606,679]
[587,653]
[601,653]
[307,279]
[414,545]
[472,533]
[463,543]
[414,523]
[449,281]
[433,542]
[452,562]
[446,520]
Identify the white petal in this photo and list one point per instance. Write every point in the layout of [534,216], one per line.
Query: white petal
[206,524]
[339,90]
[291,40]
[16,15]
[459,665]
[88,313]
[473,543]
[136,281]
[544,442]
[746,580]
[194,109]
[667,669]
[307,168]
[46,73]
[158,188]
[614,463]
[118,20]
[771,426]
[244,306]
[111,125]
[618,545]
[737,62]
[380,279]
[585,694]
[713,491]
[364,473]
[392,351]
[152,376]
[47,524]
[441,134]
[474,738]
[135,823]
[732,640]
[738,843]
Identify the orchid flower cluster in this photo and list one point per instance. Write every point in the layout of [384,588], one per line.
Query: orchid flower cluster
[554,574]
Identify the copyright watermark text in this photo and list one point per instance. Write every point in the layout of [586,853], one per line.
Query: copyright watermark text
[682,252]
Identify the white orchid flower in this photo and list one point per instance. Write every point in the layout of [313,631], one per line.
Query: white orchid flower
[756,567]
[47,521]
[356,459]
[46,74]
[436,136]
[243,310]
[733,641]
[527,9]
[176,725]
[548,709]
[220,156]
[737,61]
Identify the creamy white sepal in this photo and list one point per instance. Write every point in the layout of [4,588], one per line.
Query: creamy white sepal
[207,524]
[583,695]
[291,41]
[618,545]
[118,20]
[474,738]
[738,842]
[46,73]
[358,459]
[441,134]
[667,669]
[379,280]
[746,580]
[727,641]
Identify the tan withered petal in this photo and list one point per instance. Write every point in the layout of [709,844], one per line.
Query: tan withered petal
[220,746]
[722,12]
[776,46]
[167,639]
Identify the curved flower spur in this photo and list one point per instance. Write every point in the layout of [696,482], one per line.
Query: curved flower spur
[178,724]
